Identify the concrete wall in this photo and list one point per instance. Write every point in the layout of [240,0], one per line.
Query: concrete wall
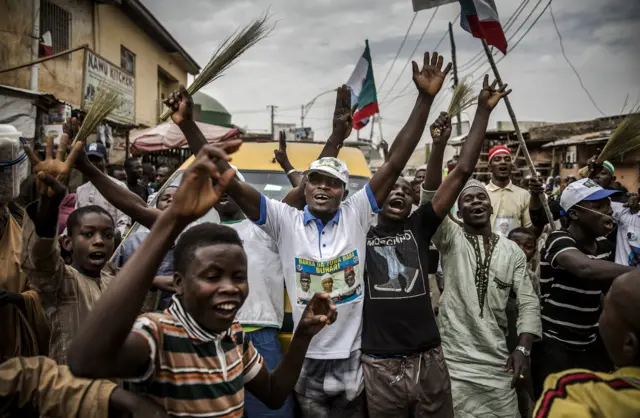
[61,77]
[116,29]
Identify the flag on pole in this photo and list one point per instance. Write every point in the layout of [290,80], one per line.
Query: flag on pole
[478,17]
[363,90]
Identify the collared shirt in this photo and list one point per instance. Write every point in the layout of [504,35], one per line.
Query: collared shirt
[583,393]
[67,296]
[628,235]
[87,195]
[309,248]
[51,390]
[510,208]
[192,371]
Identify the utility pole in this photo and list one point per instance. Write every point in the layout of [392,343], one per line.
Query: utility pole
[272,110]
[455,74]
[35,44]
[302,116]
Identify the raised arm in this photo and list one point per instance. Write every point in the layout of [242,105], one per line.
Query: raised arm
[105,347]
[428,81]
[447,194]
[247,198]
[433,176]
[42,262]
[122,198]
[342,127]
[280,155]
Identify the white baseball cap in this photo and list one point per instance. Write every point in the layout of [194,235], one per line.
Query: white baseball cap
[584,189]
[332,167]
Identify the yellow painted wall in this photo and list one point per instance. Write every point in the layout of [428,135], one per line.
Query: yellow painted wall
[116,29]
[61,77]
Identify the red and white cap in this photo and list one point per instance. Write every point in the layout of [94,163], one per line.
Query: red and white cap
[498,150]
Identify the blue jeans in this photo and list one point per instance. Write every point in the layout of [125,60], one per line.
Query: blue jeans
[266,341]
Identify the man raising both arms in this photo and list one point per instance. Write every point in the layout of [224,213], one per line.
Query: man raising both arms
[400,339]
[329,236]
[482,269]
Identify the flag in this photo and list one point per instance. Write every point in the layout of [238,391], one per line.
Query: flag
[478,17]
[46,45]
[363,90]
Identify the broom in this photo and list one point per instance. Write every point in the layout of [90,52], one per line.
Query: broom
[227,53]
[462,99]
[104,102]
[625,138]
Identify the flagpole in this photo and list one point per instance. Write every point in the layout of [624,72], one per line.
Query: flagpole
[516,127]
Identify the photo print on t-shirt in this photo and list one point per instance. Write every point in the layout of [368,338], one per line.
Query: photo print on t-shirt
[503,225]
[337,277]
[393,267]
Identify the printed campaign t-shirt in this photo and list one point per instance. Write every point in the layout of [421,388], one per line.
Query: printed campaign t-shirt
[398,318]
[324,258]
[628,235]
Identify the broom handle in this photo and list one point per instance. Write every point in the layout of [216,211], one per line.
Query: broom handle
[516,127]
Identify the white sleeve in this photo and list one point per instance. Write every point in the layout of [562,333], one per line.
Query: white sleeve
[364,206]
[274,215]
[617,208]
[446,234]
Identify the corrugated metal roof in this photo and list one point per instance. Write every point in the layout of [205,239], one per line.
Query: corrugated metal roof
[588,138]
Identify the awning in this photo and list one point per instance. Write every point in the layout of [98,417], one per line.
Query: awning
[589,138]
[168,136]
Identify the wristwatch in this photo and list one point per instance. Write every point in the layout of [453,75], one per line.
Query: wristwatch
[523,350]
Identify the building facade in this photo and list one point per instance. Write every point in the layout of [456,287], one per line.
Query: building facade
[118,43]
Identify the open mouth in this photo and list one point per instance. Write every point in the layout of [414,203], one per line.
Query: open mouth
[477,211]
[97,257]
[226,308]
[224,199]
[321,198]
[396,203]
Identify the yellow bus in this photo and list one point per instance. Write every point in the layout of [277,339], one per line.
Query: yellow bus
[256,163]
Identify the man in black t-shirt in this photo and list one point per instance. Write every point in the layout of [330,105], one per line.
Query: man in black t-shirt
[574,273]
[133,167]
[404,368]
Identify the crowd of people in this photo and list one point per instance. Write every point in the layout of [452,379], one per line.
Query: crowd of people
[529,317]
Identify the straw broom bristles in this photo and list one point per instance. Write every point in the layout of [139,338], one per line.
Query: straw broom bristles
[625,138]
[104,102]
[227,53]
[463,98]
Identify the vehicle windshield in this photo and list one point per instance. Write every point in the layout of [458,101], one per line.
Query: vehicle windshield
[273,184]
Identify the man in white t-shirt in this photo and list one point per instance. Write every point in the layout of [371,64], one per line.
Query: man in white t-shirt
[329,237]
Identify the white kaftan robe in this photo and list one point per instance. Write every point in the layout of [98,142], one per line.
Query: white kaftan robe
[475,346]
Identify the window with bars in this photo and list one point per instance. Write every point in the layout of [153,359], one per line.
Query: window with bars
[57,21]
[127,60]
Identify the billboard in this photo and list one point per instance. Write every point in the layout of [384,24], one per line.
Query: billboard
[98,73]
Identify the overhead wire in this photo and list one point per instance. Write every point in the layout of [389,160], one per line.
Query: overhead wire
[508,25]
[566,58]
[412,52]
[401,93]
[406,35]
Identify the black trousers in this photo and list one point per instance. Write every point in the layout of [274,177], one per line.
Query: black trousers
[550,356]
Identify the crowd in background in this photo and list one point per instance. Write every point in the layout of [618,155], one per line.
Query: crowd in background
[529,316]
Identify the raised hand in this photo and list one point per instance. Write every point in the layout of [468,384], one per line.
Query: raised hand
[430,79]
[320,311]
[197,193]
[441,129]
[489,96]
[535,186]
[280,154]
[343,113]
[181,103]
[53,171]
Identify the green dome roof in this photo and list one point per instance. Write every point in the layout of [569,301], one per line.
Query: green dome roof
[209,104]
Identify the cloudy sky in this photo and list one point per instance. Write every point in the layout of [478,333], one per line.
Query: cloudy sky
[316,45]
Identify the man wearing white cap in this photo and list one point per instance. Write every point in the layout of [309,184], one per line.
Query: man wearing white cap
[329,235]
[574,274]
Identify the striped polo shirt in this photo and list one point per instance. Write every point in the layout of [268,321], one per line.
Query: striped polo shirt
[193,372]
[570,305]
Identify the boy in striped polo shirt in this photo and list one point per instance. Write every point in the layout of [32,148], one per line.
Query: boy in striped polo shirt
[193,359]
